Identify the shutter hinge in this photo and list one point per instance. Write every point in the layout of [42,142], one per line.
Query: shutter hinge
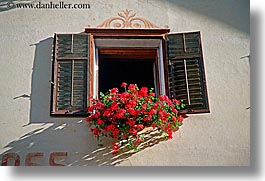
[69,111]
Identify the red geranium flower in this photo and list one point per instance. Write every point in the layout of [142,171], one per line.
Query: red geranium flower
[107,112]
[175,111]
[139,126]
[143,91]
[152,94]
[133,131]
[114,91]
[132,87]
[100,121]
[154,126]
[91,109]
[114,106]
[176,101]
[121,115]
[138,140]
[124,84]
[131,123]
[115,148]
[162,98]
[170,135]
[96,131]
[180,118]
[110,127]
[131,104]
[152,111]
[96,114]
[100,105]
[115,131]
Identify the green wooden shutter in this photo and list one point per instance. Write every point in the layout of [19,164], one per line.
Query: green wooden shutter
[71,73]
[72,46]
[71,93]
[64,84]
[186,74]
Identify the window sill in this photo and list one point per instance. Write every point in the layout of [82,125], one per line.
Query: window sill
[65,113]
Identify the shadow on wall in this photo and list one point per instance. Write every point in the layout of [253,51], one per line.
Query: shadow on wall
[226,11]
[40,82]
[72,138]
[51,135]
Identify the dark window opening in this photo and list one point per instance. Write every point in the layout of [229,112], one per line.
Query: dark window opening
[113,72]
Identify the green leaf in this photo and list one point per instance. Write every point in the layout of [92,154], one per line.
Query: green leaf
[142,137]
[130,144]
[101,95]
[137,149]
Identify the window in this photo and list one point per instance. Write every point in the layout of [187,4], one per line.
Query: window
[127,65]
[97,60]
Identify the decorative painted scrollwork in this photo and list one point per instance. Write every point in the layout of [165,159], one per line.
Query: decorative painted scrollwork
[127,20]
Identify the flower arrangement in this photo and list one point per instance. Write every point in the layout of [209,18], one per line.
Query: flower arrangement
[122,116]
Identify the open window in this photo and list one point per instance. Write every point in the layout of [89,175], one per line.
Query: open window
[98,60]
[127,65]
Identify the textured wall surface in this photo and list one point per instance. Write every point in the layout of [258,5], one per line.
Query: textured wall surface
[221,137]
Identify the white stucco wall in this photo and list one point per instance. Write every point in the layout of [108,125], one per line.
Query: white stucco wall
[221,137]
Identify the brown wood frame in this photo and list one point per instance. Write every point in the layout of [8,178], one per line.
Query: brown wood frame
[136,34]
[91,70]
[121,53]
[126,32]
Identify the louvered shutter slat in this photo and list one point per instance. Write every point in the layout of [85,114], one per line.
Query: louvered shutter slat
[71,95]
[191,94]
[64,44]
[64,85]
[72,46]
[79,85]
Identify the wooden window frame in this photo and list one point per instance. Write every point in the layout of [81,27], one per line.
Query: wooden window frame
[145,34]
[95,33]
